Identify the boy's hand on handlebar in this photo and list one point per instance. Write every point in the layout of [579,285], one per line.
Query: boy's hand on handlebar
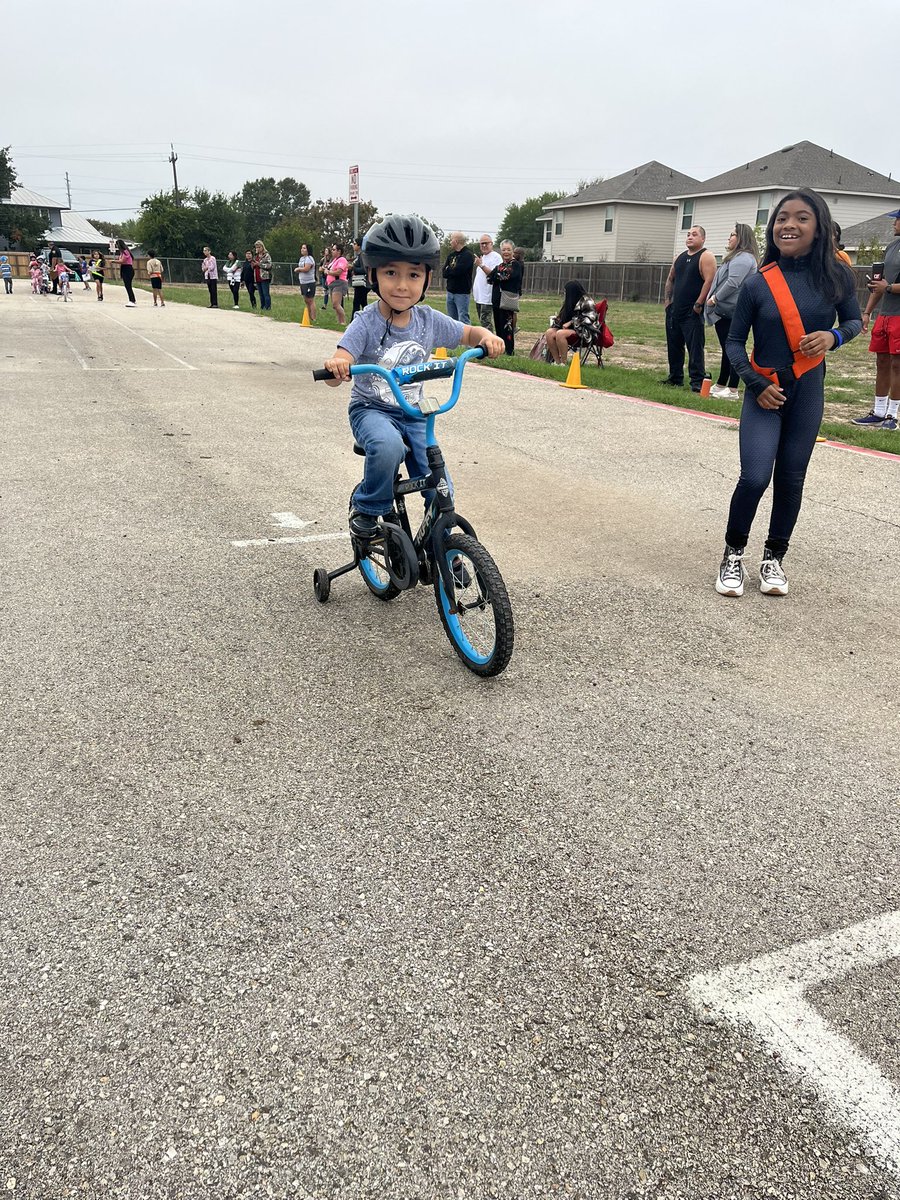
[339,366]
[493,346]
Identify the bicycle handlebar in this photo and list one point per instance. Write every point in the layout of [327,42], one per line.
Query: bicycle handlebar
[414,373]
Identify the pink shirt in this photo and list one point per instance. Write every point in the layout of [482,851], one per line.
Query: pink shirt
[337,270]
[210,270]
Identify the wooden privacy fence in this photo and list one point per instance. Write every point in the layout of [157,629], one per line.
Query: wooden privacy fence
[644,282]
[616,281]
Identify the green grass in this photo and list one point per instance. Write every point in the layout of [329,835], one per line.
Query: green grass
[634,364]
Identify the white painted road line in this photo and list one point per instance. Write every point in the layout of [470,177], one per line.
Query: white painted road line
[174,357]
[83,361]
[293,541]
[766,995]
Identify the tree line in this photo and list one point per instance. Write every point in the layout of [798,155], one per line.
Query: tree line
[280,212]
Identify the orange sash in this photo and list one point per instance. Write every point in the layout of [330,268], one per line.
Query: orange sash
[793,326]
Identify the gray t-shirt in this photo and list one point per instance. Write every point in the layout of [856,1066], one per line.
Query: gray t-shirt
[367,338]
[307,272]
[890,304]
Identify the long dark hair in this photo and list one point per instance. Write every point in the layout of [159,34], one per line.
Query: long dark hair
[830,276]
[573,293]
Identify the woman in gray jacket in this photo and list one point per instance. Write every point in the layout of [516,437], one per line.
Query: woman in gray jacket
[741,260]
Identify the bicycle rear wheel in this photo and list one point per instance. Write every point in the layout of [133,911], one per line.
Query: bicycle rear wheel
[482,632]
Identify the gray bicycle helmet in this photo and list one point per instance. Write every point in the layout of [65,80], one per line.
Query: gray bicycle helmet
[401,238]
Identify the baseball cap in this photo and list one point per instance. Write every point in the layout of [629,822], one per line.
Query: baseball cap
[894,214]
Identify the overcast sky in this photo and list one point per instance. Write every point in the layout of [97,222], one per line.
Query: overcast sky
[453,111]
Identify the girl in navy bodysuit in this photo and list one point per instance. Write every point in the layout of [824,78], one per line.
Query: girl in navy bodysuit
[780,421]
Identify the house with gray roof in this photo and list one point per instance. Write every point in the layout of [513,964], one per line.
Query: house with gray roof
[878,230]
[749,192]
[628,218]
[70,230]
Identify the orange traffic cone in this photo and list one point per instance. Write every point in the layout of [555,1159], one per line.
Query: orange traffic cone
[306,322]
[440,352]
[705,386]
[573,379]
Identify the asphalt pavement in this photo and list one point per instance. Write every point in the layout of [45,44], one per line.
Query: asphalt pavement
[292,905]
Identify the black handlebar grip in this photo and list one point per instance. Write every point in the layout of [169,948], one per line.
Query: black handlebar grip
[321,376]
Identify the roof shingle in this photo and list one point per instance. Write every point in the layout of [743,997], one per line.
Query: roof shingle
[802,164]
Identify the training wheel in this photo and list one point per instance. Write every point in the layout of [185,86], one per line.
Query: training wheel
[321,584]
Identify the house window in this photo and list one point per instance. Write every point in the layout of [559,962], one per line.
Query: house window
[763,204]
[608,219]
[579,258]
[558,218]
[687,214]
[548,236]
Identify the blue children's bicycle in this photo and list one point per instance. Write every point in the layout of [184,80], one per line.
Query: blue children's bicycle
[471,596]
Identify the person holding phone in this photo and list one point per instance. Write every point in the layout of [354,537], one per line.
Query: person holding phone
[884,288]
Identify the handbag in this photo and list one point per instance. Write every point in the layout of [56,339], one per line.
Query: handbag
[539,349]
[359,281]
[509,302]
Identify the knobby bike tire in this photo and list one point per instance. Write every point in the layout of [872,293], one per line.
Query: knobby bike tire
[483,633]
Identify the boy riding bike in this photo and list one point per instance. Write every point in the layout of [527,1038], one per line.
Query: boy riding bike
[399,254]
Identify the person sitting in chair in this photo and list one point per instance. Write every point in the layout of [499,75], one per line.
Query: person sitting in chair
[566,329]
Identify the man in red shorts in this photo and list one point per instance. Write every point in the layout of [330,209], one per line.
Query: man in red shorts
[885,343]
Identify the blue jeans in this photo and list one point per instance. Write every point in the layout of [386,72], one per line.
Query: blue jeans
[458,306]
[381,435]
[265,301]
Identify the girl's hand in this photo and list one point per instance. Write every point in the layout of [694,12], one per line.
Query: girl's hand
[339,367]
[711,301]
[771,398]
[817,343]
[493,345]
[866,317]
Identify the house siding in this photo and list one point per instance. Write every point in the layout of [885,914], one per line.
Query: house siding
[583,235]
[644,226]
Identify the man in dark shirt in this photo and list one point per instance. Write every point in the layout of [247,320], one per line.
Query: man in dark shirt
[687,287]
[885,342]
[458,271]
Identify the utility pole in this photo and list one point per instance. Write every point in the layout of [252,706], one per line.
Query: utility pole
[173,159]
[68,189]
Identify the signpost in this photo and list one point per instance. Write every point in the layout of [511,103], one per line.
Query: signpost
[354,199]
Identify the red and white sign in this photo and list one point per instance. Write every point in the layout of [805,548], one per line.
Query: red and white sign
[354,185]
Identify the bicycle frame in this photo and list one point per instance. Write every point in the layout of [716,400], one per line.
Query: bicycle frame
[440,515]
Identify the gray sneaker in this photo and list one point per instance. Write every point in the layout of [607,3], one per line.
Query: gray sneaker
[772,579]
[730,580]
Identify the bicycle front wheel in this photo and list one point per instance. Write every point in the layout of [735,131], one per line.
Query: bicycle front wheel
[482,631]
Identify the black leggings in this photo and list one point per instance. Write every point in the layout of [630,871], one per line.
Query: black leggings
[503,325]
[728,376]
[782,441]
[213,286]
[236,292]
[127,274]
[360,299]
